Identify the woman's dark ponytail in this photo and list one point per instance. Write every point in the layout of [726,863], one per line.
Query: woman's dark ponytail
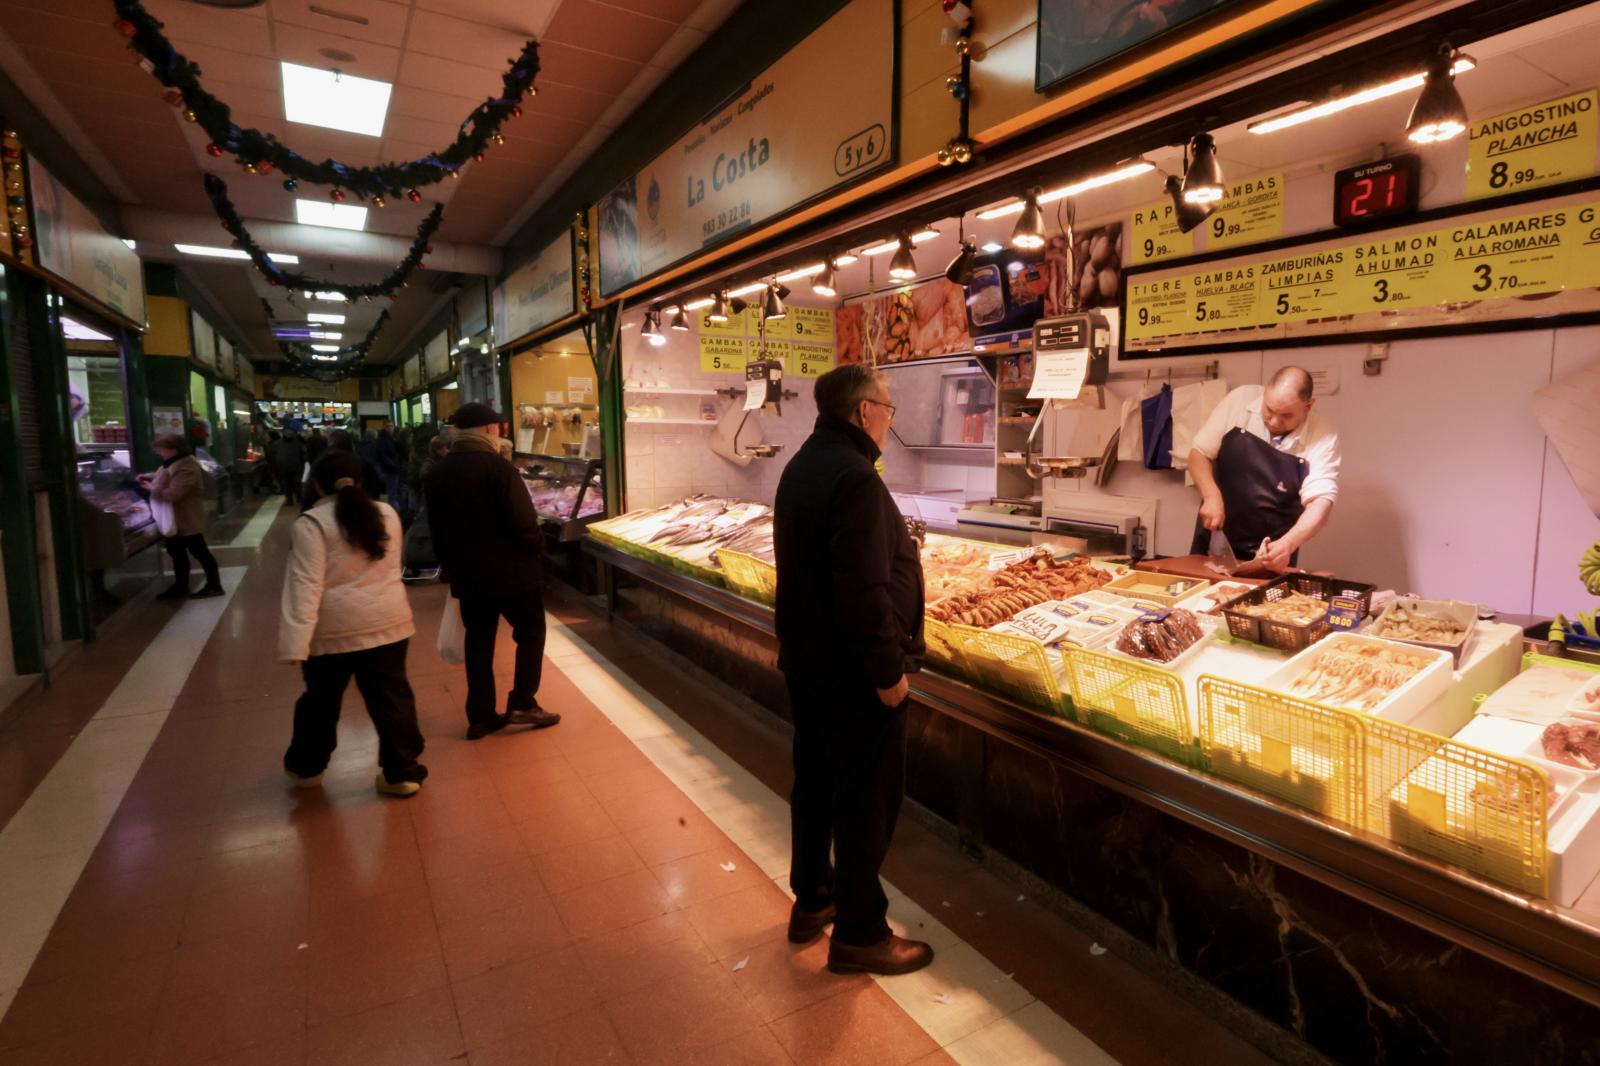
[339,474]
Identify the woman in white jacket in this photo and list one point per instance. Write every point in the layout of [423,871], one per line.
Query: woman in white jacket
[345,615]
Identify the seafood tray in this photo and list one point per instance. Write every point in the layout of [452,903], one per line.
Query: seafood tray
[1368,675]
[1133,701]
[1288,636]
[1485,812]
[1305,755]
[1464,615]
[1163,589]
[1172,666]
[754,579]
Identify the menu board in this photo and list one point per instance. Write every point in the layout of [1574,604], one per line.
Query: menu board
[205,341]
[1491,265]
[1546,144]
[436,358]
[411,373]
[803,339]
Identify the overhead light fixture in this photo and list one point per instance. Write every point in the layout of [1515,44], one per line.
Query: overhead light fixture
[323,316]
[324,347]
[1461,65]
[772,307]
[331,215]
[231,253]
[1202,176]
[327,358]
[825,283]
[960,267]
[324,335]
[652,328]
[1188,215]
[922,236]
[1028,233]
[328,297]
[803,273]
[334,100]
[903,267]
[1121,172]
[719,308]
[1438,114]
[992,247]
[844,260]
[680,320]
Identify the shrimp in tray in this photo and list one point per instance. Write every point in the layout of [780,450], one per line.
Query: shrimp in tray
[1358,676]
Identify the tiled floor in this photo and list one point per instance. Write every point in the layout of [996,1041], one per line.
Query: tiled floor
[610,890]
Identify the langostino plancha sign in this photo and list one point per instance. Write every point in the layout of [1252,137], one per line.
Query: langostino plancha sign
[1546,144]
[819,118]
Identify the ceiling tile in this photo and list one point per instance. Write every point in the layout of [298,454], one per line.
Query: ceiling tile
[373,21]
[526,18]
[296,44]
[205,23]
[436,34]
[556,102]
[668,10]
[257,69]
[82,38]
[421,131]
[610,31]
[410,102]
[433,74]
[562,64]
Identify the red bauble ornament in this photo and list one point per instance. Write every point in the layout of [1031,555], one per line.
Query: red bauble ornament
[479,157]
[126,28]
[214,150]
[516,112]
[427,249]
[414,196]
[337,195]
[265,167]
[173,97]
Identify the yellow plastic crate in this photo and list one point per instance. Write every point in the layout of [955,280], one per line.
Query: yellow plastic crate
[1010,665]
[1483,812]
[1138,704]
[943,646]
[1310,756]
[753,578]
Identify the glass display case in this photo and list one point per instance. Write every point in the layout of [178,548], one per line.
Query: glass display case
[944,403]
[106,485]
[567,492]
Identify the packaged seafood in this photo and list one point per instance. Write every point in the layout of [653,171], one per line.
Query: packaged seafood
[1366,674]
[1292,612]
[1296,609]
[1573,742]
[1162,636]
[1014,588]
[1442,624]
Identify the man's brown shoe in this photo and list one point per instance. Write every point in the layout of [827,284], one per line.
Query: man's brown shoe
[805,926]
[889,956]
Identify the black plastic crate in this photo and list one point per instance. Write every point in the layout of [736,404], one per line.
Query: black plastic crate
[1286,636]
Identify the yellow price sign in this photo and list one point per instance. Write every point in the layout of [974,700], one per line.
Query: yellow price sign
[813,324]
[808,362]
[1545,144]
[1304,285]
[1224,298]
[1156,235]
[1251,212]
[1520,255]
[1391,272]
[1583,246]
[723,355]
[1156,308]
[733,327]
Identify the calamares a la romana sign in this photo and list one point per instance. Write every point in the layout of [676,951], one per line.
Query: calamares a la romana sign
[817,119]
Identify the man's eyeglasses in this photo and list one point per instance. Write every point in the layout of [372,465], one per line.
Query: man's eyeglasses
[890,406]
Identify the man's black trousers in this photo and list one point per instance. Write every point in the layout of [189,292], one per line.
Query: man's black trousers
[480,617]
[849,779]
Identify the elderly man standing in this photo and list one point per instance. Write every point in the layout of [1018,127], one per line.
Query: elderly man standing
[491,550]
[1267,466]
[849,622]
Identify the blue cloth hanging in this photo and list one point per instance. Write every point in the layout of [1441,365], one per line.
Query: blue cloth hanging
[1155,417]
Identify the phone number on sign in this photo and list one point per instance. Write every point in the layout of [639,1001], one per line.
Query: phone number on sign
[723,221]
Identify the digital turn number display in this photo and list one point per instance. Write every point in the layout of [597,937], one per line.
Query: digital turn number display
[1376,191]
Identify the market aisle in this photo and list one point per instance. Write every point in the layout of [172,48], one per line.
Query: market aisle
[569,895]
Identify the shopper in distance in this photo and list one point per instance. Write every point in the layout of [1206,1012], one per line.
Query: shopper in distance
[490,549]
[849,622]
[178,502]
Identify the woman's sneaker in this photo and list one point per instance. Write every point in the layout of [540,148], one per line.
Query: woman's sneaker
[396,788]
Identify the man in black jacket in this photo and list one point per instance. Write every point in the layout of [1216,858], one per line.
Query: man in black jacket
[487,539]
[849,621]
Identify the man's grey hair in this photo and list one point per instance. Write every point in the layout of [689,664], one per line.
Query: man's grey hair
[1294,378]
[840,391]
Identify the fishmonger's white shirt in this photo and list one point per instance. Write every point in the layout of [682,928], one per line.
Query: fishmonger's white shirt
[1315,441]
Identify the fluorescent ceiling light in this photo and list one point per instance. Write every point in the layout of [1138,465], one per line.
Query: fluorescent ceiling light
[334,101]
[324,347]
[922,236]
[805,272]
[1110,177]
[231,253]
[330,297]
[326,358]
[322,335]
[72,329]
[332,215]
[1342,103]
[323,316]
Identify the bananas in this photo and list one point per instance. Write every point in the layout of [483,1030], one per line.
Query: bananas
[1589,568]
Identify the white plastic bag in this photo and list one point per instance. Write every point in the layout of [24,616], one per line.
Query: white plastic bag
[452,634]
[166,518]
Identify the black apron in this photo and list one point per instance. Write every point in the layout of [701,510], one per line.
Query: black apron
[1260,493]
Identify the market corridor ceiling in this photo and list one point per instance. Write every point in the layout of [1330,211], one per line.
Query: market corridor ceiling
[598,60]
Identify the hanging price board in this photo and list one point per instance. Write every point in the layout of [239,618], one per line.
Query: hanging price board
[1156,236]
[809,362]
[1491,265]
[733,327]
[1545,144]
[723,355]
[813,324]
[1251,212]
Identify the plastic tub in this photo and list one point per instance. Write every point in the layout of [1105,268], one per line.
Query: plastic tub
[1466,614]
[1404,704]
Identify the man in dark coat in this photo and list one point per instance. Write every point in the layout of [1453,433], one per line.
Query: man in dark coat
[849,621]
[291,463]
[490,549]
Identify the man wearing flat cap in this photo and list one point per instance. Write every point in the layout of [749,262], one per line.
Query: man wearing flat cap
[490,549]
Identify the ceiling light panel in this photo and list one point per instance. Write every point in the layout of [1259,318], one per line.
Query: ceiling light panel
[334,216]
[324,316]
[324,335]
[334,101]
[232,253]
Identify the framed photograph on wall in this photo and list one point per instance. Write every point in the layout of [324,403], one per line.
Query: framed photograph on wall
[1077,35]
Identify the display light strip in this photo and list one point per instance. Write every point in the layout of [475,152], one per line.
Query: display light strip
[1343,103]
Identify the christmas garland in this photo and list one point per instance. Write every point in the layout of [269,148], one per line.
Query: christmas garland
[322,366]
[360,349]
[398,278]
[262,153]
